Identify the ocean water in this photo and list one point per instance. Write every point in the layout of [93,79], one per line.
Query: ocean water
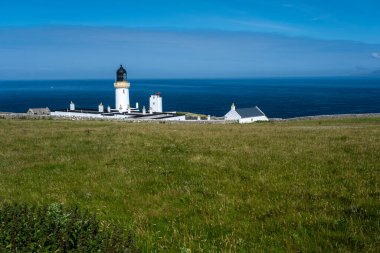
[277,97]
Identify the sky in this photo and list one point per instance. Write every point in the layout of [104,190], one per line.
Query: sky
[77,39]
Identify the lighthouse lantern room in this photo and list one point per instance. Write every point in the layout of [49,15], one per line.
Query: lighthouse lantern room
[122,90]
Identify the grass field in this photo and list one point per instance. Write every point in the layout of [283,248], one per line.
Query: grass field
[302,186]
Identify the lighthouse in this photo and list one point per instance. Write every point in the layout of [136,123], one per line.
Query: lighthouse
[121,90]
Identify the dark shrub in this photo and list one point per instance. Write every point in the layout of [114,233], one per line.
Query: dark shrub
[53,228]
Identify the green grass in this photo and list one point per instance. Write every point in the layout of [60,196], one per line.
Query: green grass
[310,186]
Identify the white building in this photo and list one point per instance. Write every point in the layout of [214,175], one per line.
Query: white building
[155,103]
[122,110]
[122,90]
[245,115]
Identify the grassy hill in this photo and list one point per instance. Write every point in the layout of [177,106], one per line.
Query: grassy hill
[310,186]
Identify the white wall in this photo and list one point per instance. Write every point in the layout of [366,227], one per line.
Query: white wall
[76,114]
[88,115]
[253,119]
[178,118]
[232,115]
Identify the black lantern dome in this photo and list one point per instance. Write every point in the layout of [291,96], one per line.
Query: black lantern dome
[121,74]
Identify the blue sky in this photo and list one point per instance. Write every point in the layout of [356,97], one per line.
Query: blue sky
[179,39]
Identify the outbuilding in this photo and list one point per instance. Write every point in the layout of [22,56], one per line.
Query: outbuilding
[38,111]
[245,115]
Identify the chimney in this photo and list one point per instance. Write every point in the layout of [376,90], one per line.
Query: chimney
[101,107]
[208,117]
[150,110]
[233,108]
[137,105]
[144,110]
[72,106]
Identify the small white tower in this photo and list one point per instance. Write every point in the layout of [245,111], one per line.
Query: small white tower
[155,103]
[72,106]
[121,90]
[101,107]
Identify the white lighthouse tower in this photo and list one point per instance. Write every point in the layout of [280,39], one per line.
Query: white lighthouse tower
[122,90]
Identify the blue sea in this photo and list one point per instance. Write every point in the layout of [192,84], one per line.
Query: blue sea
[277,97]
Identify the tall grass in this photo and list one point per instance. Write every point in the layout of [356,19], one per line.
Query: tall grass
[310,186]
[53,228]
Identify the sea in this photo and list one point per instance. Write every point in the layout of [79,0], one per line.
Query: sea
[276,97]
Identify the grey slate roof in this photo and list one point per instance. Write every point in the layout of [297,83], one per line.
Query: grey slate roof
[250,112]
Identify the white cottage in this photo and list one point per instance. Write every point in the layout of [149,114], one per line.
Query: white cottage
[245,115]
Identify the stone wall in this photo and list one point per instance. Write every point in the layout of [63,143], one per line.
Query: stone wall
[133,120]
